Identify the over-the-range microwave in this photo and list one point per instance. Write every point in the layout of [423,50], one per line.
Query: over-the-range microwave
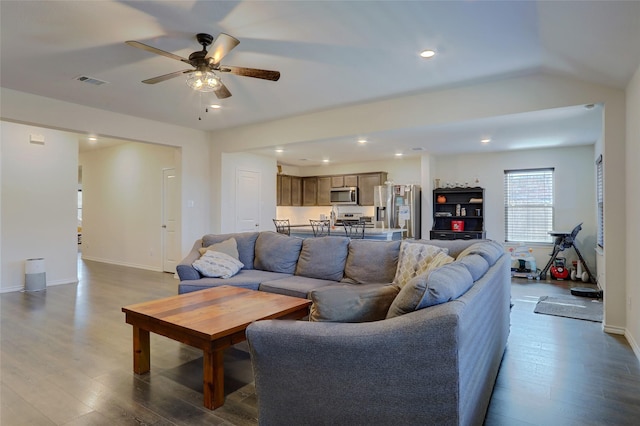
[345,195]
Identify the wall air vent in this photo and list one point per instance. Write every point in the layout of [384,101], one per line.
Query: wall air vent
[91,80]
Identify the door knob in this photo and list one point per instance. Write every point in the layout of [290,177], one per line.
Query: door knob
[164,226]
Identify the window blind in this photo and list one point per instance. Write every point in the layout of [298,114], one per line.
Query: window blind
[528,205]
[600,201]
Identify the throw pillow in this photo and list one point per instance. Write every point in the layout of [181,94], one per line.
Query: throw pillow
[476,265]
[442,285]
[229,247]
[215,264]
[323,257]
[371,261]
[414,257]
[277,252]
[352,303]
[246,244]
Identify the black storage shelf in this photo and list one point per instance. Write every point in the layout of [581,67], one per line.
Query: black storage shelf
[473,222]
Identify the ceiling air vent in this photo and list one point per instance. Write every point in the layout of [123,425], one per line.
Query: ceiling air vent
[91,80]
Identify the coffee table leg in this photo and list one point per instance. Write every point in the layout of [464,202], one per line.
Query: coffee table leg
[141,354]
[213,370]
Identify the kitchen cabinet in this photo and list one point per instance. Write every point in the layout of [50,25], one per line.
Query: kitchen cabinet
[285,190]
[366,182]
[288,190]
[309,191]
[344,180]
[461,206]
[324,190]
[296,191]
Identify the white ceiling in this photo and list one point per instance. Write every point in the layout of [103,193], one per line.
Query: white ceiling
[330,54]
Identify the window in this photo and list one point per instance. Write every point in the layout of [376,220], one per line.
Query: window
[600,201]
[528,205]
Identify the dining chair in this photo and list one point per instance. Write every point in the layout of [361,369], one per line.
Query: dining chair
[354,229]
[282,226]
[320,228]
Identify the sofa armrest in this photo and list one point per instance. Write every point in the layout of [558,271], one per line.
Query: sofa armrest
[402,370]
[185,269]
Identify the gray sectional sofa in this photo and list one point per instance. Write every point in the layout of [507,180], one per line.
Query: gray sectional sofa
[374,352]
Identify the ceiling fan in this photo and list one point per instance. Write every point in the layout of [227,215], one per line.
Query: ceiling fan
[205,64]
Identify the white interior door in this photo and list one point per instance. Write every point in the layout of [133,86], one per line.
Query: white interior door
[248,200]
[169,221]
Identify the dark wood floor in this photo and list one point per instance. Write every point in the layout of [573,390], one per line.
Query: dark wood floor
[66,359]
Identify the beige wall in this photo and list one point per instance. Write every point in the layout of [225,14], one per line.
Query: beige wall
[632,252]
[122,203]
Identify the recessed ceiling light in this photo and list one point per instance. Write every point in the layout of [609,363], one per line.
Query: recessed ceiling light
[325,160]
[428,53]
[485,140]
[398,154]
[215,106]
[279,150]
[362,140]
[92,138]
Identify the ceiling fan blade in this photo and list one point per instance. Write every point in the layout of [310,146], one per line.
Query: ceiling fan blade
[157,51]
[222,92]
[220,47]
[251,72]
[161,78]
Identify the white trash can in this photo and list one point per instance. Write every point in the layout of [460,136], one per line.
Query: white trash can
[35,276]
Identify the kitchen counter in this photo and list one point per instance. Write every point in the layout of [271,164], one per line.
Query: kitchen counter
[386,234]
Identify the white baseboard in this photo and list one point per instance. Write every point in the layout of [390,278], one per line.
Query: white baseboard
[49,284]
[613,330]
[114,262]
[633,343]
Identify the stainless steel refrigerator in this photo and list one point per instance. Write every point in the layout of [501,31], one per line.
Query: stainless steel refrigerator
[398,206]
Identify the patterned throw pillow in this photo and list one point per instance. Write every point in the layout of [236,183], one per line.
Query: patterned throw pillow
[215,264]
[415,258]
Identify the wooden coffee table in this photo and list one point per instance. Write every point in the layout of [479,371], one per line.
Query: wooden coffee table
[212,320]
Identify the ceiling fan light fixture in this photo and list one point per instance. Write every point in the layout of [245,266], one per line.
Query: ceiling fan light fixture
[204,81]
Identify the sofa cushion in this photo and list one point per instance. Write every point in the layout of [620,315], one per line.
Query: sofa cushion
[476,265]
[323,257]
[277,252]
[296,286]
[489,250]
[245,241]
[415,257]
[215,264]
[352,303]
[229,247]
[371,261]
[246,278]
[441,285]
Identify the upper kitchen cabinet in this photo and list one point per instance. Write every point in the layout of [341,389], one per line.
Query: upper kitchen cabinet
[289,190]
[309,191]
[344,180]
[296,191]
[366,182]
[325,183]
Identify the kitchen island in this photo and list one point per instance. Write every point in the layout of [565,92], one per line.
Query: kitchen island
[384,234]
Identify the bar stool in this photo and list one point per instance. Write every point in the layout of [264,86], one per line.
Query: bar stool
[354,229]
[282,226]
[320,228]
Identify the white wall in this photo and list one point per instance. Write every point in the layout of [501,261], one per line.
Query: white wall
[122,204]
[194,166]
[266,166]
[574,192]
[39,203]
[633,213]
